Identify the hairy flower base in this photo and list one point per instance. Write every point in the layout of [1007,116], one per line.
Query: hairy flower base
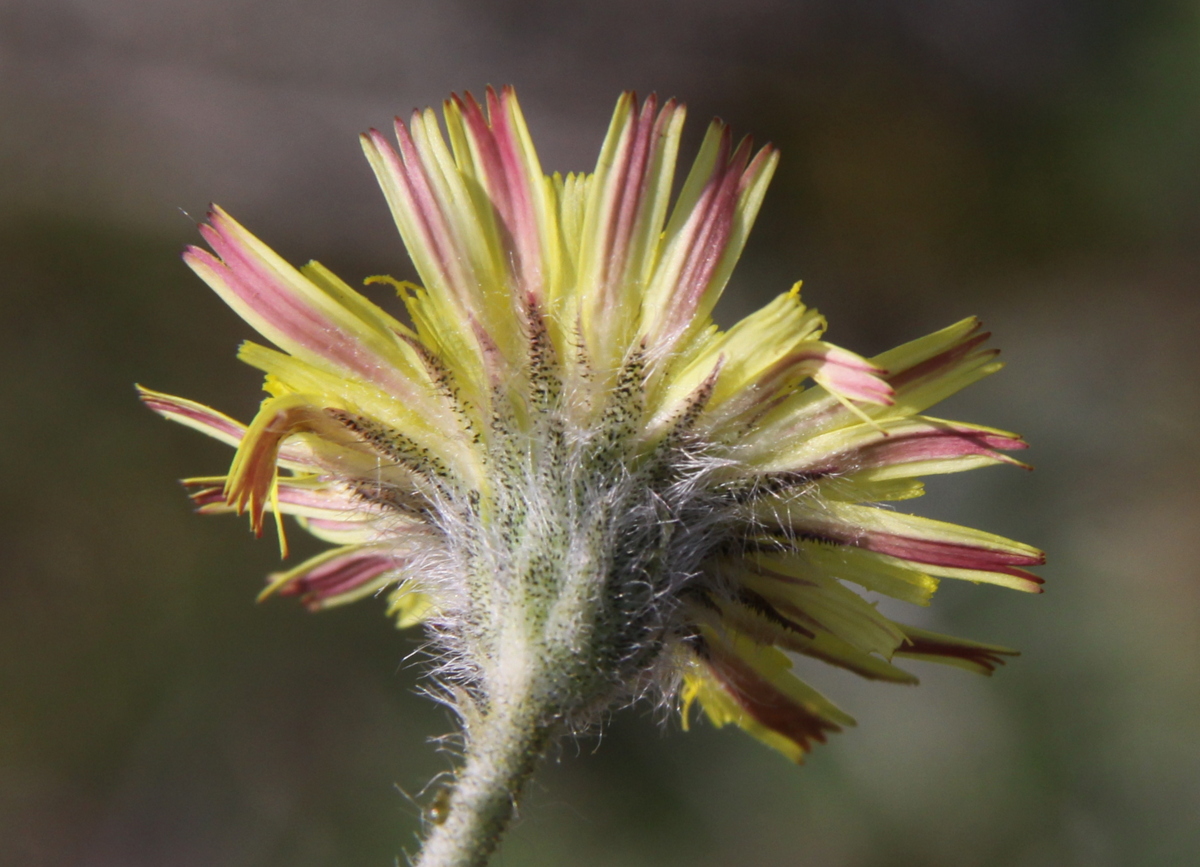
[583,488]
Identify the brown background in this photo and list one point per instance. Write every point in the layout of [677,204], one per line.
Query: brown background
[1032,161]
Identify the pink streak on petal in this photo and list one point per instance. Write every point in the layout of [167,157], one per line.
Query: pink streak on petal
[245,274]
[332,526]
[853,376]
[488,153]
[413,175]
[630,181]
[751,171]
[849,374]
[708,232]
[337,576]
[767,704]
[857,384]
[847,360]
[950,554]
[494,172]
[938,444]
[931,366]
[214,423]
[711,220]
[521,214]
[316,498]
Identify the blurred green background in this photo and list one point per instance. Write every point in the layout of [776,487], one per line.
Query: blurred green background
[1036,162]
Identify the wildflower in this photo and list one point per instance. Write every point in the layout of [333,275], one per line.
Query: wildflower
[583,488]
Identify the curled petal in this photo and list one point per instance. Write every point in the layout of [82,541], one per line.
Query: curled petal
[252,476]
[219,426]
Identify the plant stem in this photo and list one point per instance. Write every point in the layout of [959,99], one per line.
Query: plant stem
[503,749]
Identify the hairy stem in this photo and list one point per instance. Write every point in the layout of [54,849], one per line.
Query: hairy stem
[503,748]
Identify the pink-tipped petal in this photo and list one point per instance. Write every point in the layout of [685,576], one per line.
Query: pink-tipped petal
[939,548]
[443,260]
[623,223]
[937,364]
[768,706]
[851,376]
[335,576]
[705,236]
[693,254]
[519,193]
[290,311]
[303,496]
[194,415]
[938,441]
[951,554]
[629,187]
[900,448]
[933,647]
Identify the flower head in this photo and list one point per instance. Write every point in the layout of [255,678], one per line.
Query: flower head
[582,486]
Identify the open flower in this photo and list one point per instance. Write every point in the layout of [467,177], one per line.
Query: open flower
[585,489]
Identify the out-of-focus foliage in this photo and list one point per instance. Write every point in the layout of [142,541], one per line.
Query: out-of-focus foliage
[1032,162]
